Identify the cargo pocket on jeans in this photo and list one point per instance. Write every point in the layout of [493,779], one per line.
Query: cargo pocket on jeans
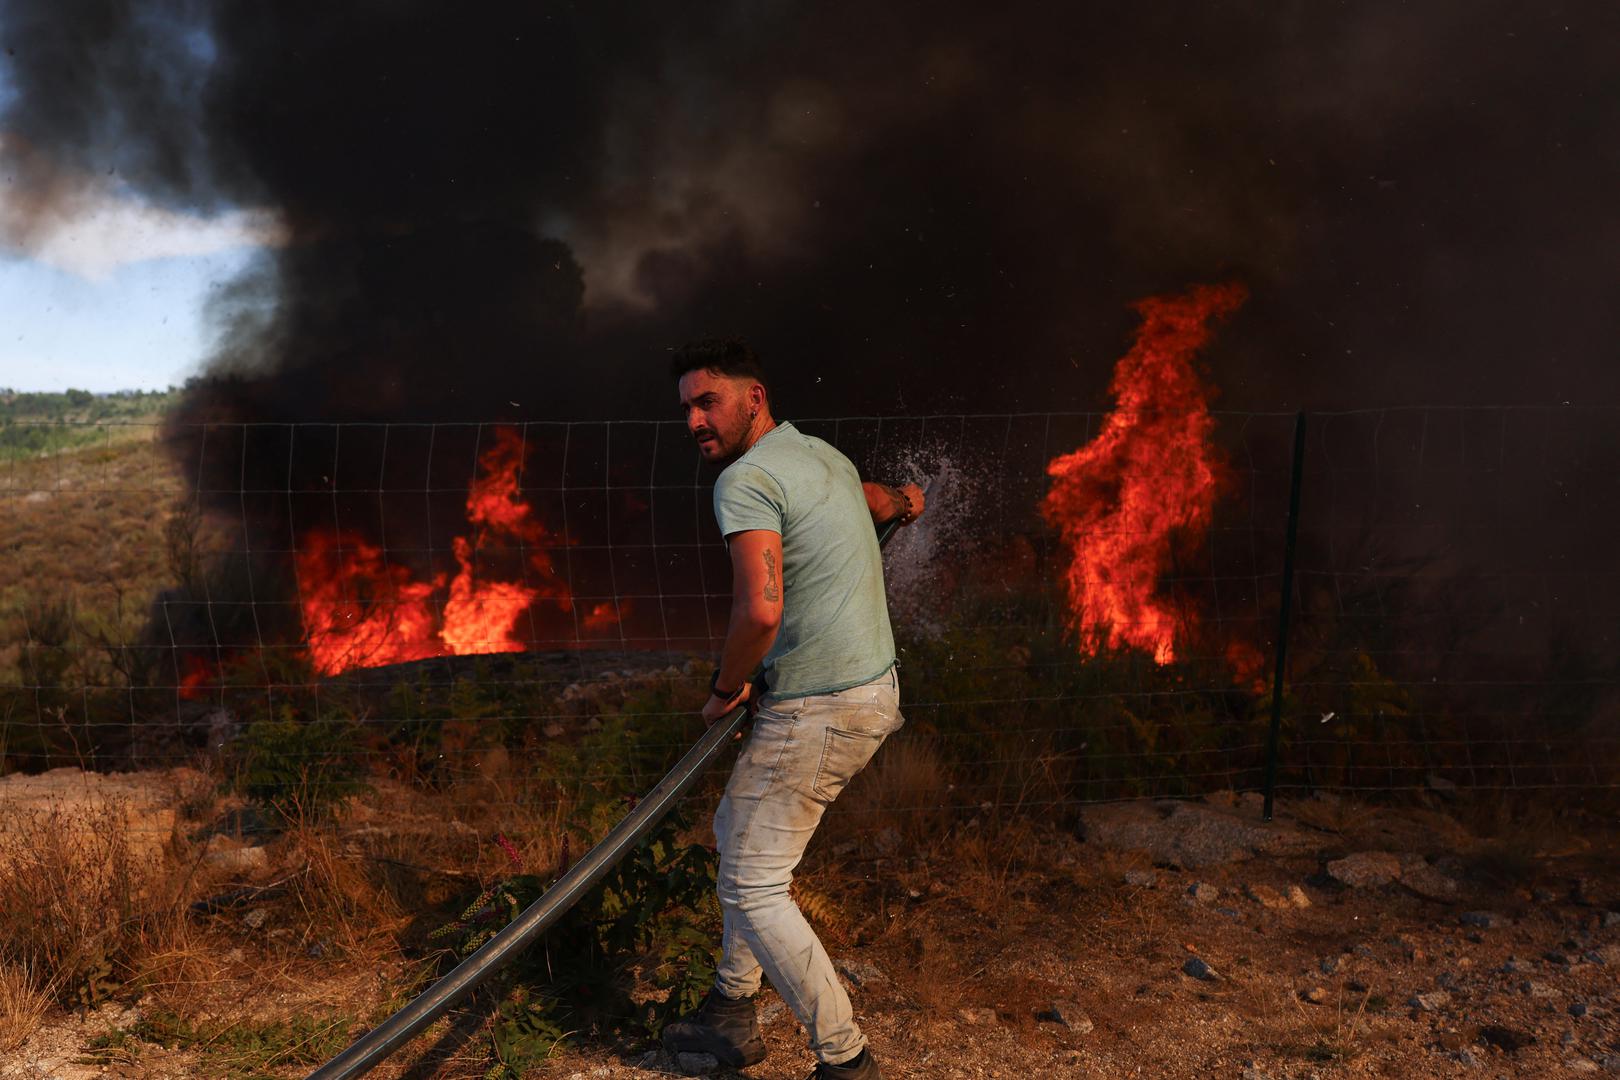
[843,754]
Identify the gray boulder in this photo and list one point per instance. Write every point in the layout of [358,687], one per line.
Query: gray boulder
[1189,835]
[1365,869]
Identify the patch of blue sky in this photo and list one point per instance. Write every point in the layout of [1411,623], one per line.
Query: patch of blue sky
[141,326]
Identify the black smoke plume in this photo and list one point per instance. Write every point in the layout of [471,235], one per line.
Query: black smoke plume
[510,211]
[905,206]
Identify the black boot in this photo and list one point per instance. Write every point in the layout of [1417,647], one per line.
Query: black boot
[722,1027]
[860,1067]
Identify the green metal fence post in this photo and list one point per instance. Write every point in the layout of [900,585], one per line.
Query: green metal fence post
[1285,611]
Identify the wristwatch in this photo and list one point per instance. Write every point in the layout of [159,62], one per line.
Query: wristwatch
[727,696]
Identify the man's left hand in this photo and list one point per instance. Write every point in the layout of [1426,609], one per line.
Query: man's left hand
[718,706]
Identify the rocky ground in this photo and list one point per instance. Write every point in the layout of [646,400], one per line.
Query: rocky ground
[1157,940]
[1188,939]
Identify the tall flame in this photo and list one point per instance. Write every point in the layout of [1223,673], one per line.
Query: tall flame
[482,617]
[1119,501]
[360,610]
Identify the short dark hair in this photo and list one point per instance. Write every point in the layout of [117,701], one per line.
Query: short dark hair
[724,356]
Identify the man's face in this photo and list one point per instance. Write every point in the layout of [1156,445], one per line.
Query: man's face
[717,411]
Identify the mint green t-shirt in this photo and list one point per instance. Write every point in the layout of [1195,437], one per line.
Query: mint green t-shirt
[835,618]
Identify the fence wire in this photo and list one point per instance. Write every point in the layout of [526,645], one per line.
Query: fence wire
[435,602]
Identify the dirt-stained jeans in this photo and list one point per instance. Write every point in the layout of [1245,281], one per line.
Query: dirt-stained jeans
[799,757]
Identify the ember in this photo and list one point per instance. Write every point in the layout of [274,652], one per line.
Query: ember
[197,679]
[1120,501]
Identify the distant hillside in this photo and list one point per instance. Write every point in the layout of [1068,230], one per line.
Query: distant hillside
[42,423]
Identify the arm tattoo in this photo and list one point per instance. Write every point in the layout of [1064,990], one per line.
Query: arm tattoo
[772,593]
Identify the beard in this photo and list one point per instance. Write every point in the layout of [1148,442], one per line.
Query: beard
[729,433]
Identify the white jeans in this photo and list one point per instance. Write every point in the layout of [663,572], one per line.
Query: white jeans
[799,757]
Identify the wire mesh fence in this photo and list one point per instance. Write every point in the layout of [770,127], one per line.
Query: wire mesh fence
[437,602]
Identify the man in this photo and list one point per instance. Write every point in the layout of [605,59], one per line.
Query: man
[807,605]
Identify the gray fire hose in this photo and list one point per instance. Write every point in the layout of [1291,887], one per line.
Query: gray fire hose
[382,1040]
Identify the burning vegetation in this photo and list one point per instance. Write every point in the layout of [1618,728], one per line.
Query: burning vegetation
[362,610]
[1148,480]
[1119,505]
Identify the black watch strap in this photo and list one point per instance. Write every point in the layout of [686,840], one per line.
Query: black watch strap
[723,695]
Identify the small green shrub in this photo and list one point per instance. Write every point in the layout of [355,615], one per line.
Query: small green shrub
[655,908]
[298,768]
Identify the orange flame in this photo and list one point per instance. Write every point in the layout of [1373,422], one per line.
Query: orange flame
[482,617]
[1119,501]
[361,611]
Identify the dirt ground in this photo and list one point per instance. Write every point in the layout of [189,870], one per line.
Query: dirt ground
[1156,940]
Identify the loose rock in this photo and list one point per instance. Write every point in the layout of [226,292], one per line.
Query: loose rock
[1433,1001]
[1190,835]
[1068,1014]
[1267,897]
[1141,879]
[977,1016]
[1199,969]
[863,973]
[1365,869]
[1426,880]
[1506,1038]
[1532,988]
[696,1064]
[1203,892]
[1484,920]
[223,853]
[1316,995]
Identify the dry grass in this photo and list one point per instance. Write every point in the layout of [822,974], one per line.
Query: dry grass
[901,794]
[1328,815]
[84,522]
[339,893]
[182,968]
[75,898]
[24,1001]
